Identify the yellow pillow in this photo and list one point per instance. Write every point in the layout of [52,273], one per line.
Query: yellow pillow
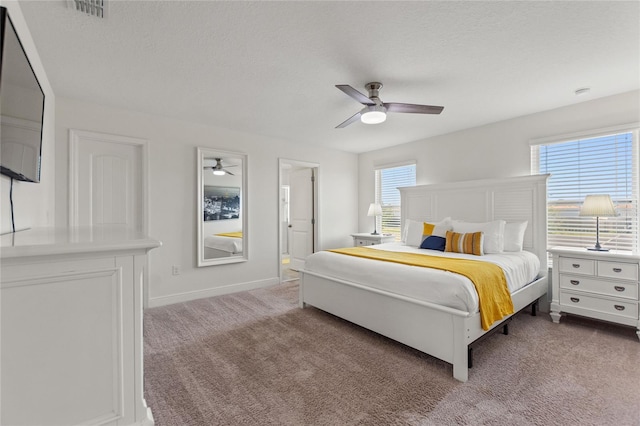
[437,229]
[427,228]
[470,243]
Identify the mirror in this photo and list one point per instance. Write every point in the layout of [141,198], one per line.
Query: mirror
[222,207]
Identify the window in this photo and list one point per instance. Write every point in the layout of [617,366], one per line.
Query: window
[388,179]
[602,164]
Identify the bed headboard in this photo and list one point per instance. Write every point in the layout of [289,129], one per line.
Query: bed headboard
[511,199]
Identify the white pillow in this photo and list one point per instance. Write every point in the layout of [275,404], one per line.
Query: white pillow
[493,233]
[405,230]
[413,230]
[514,235]
[414,233]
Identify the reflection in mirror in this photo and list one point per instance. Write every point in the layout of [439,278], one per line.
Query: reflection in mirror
[222,207]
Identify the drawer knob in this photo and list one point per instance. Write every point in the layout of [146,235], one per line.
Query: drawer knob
[576,265]
[575,282]
[575,299]
[617,270]
[618,288]
[619,307]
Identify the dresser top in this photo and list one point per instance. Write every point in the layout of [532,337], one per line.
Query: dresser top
[61,241]
[593,254]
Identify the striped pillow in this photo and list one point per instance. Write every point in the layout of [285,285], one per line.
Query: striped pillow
[470,243]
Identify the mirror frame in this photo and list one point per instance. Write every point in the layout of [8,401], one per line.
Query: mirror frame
[202,153]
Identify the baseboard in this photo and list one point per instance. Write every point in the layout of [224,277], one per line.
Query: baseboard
[210,292]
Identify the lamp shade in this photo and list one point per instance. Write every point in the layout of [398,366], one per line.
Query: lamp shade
[375,209]
[598,205]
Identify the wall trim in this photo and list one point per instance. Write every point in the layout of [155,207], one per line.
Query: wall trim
[211,292]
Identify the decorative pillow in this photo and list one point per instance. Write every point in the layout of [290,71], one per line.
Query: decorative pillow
[439,230]
[433,242]
[493,233]
[416,230]
[464,243]
[514,235]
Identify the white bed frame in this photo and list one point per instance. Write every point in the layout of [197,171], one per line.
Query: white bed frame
[442,332]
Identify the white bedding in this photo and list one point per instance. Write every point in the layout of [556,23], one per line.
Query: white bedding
[426,284]
[228,244]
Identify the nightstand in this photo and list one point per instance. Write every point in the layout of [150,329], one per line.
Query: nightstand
[366,239]
[596,284]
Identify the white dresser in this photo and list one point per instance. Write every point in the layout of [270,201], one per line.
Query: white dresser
[367,239]
[601,285]
[72,327]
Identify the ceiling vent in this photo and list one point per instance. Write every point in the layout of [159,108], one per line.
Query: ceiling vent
[96,8]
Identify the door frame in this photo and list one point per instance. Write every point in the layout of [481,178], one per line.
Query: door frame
[316,205]
[75,139]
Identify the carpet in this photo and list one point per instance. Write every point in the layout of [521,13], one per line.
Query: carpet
[255,358]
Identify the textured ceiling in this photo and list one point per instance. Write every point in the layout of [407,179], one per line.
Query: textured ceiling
[269,68]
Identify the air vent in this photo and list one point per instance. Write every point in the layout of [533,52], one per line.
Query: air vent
[90,7]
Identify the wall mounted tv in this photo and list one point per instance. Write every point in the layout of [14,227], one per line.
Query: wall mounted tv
[21,108]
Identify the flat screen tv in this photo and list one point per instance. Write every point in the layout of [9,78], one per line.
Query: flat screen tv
[21,108]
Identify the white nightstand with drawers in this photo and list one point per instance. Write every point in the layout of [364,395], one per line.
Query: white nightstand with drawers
[596,284]
[366,239]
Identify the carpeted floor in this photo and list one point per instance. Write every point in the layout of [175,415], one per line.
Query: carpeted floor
[255,358]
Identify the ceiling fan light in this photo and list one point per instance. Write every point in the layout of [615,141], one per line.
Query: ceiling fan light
[219,172]
[373,114]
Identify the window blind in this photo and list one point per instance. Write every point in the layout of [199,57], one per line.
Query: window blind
[388,179]
[607,164]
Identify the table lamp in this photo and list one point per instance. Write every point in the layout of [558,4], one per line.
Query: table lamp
[375,210]
[598,205]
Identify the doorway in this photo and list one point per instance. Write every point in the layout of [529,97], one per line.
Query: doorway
[298,215]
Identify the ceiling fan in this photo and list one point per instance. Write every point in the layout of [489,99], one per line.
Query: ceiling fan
[219,169]
[375,111]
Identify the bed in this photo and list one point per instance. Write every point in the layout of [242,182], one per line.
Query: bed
[223,245]
[368,293]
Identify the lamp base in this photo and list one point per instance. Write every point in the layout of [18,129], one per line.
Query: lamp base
[375,233]
[598,249]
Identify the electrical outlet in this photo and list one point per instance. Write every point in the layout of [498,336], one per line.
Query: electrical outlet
[175,270]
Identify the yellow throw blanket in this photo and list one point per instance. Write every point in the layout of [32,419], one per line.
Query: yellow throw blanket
[230,234]
[488,278]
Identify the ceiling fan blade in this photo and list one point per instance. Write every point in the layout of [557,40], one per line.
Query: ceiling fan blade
[345,123]
[363,99]
[228,172]
[411,108]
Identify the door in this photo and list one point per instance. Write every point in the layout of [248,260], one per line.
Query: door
[107,175]
[302,220]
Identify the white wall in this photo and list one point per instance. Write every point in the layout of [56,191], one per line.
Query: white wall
[495,150]
[172,200]
[34,203]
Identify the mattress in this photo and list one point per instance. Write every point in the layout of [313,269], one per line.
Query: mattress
[228,244]
[425,284]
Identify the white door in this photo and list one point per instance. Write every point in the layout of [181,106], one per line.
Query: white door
[284,214]
[302,221]
[107,180]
